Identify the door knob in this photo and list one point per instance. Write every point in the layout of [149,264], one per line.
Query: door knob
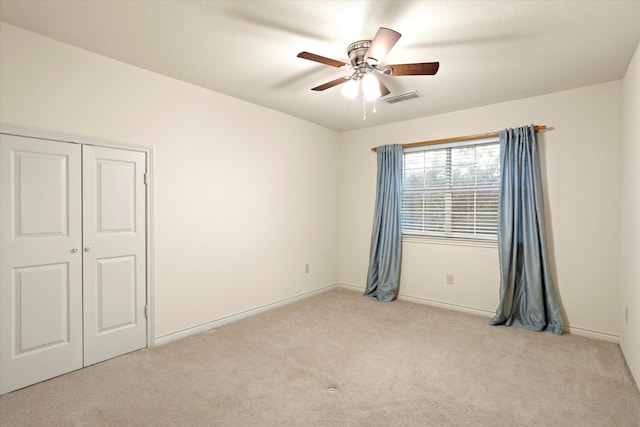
[75,250]
[88,248]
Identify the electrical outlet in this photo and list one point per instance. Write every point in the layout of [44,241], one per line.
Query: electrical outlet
[449,279]
[626,314]
[306,268]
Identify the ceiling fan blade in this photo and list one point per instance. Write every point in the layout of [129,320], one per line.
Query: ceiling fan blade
[419,69]
[332,83]
[321,59]
[382,43]
[384,90]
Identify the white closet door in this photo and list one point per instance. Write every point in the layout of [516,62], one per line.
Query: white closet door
[40,260]
[114,252]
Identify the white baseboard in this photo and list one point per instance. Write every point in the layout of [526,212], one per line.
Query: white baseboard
[448,306]
[632,368]
[173,336]
[588,333]
[433,303]
[351,287]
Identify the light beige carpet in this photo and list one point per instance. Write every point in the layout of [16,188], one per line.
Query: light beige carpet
[341,359]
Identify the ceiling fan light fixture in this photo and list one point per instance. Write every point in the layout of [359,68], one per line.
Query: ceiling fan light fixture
[366,57]
[350,89]
[370,87]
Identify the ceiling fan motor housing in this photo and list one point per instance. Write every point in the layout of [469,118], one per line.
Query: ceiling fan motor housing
[357,51]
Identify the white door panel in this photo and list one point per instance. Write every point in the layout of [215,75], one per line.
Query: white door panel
[40,273]
[40,183]
[116,182]
[114,252]
[116,293]
[41,304]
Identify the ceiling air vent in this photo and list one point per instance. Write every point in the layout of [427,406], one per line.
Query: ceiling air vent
[403,97]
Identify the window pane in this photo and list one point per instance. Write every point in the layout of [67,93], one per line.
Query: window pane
[488,164]
[463,166]
[436,168]
[425,169]
[413,170]
[423,212]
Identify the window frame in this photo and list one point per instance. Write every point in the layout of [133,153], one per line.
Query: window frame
[453,238]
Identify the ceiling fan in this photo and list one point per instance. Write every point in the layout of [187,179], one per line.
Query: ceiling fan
[365,57]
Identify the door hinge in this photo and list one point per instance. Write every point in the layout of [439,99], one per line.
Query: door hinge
[146,311]
[146,178]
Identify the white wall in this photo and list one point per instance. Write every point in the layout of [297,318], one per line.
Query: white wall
[581,154]
[630,217]
[244,196]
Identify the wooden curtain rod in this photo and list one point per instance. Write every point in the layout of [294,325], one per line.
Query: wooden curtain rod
[458,138]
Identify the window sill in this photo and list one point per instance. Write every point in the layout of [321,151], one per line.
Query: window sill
[425,240]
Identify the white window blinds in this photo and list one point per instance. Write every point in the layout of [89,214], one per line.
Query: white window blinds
[452,190]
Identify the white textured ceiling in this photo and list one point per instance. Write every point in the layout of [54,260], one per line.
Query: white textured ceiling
[489,51]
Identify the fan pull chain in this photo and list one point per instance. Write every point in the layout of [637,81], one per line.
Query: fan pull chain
[364,108]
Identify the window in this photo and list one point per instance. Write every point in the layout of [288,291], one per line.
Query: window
[452,190]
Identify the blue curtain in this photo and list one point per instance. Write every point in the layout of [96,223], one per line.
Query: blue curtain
[383,276]
[527,295]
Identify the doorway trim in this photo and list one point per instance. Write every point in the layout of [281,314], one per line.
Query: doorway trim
[50,135]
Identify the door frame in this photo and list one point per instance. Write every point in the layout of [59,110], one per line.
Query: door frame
[88,140]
